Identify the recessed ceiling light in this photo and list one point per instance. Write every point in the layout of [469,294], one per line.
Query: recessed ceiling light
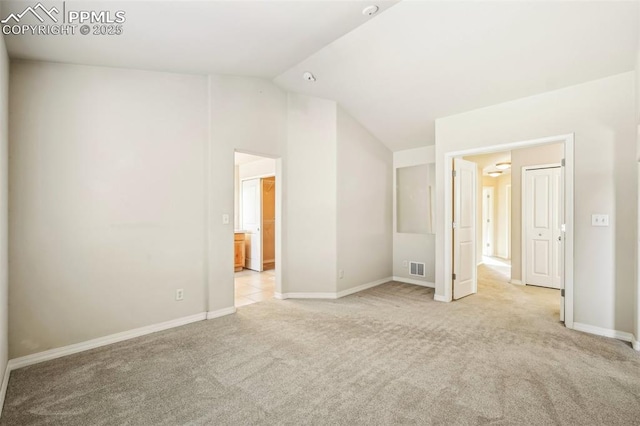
[308,76]
[370,10]
[503,166]
[495,173]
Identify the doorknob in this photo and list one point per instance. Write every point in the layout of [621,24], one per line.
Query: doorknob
[560,238]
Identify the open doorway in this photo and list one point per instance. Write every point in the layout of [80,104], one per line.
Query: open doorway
[530,236]
[494,214]
[255,228]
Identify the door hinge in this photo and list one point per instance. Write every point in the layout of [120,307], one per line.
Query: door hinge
[453,173]
[453,276]
[453,225]
[562,292]
[562,162]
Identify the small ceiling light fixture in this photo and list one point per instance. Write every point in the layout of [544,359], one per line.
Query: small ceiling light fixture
[308,76]
[503,166]
[370,10]
[495,173]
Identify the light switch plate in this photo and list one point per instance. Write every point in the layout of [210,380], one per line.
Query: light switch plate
[225,219]
[599,220]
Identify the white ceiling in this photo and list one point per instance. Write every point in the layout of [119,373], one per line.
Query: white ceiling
[249,38]
[395,73]
[419,61]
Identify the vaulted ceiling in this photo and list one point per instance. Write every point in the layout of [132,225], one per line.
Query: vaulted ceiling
[395,72]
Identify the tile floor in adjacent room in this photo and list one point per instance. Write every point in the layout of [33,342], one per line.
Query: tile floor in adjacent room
[252,286]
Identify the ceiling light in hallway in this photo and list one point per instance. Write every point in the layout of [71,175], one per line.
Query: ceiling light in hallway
[370,10]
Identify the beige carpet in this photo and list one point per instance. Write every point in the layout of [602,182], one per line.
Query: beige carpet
[389,355]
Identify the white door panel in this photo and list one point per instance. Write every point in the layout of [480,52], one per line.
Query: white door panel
[252,222]
[464,235]
[542,216]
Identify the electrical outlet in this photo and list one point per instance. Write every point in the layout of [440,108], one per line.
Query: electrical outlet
[179,294]
[599,220]
[341,273]
[405,264]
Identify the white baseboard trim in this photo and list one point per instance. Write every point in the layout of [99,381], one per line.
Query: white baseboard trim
[414,282]
[3,389]
[221,312]
[516,282]
[328,295]
[36,358]
[636,345]
[439,298]
[606,332]
[362,287]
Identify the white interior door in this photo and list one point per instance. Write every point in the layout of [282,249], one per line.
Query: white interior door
[464,232]
[543,221]
[252,223]
[487,221]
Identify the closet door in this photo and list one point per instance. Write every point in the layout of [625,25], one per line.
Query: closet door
[252,223]
[268,222]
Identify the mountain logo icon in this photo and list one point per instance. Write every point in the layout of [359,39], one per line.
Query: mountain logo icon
[34,11]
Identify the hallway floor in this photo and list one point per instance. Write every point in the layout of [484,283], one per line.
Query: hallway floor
[498,264]
[252,286]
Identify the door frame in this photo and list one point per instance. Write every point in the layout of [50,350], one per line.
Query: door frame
[523,205]
[568,140]
[507,196]
[279,231]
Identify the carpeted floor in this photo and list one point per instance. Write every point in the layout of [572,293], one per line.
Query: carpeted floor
[389,355]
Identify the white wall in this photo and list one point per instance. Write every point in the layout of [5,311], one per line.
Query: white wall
[412,247]
[249,115]
[114,207]
[311,205]
[601,114]
[106,201]
[364,205]
[4,209]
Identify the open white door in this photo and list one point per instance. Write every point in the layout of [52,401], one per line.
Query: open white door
[543,221]
[464,231]
[252,223]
